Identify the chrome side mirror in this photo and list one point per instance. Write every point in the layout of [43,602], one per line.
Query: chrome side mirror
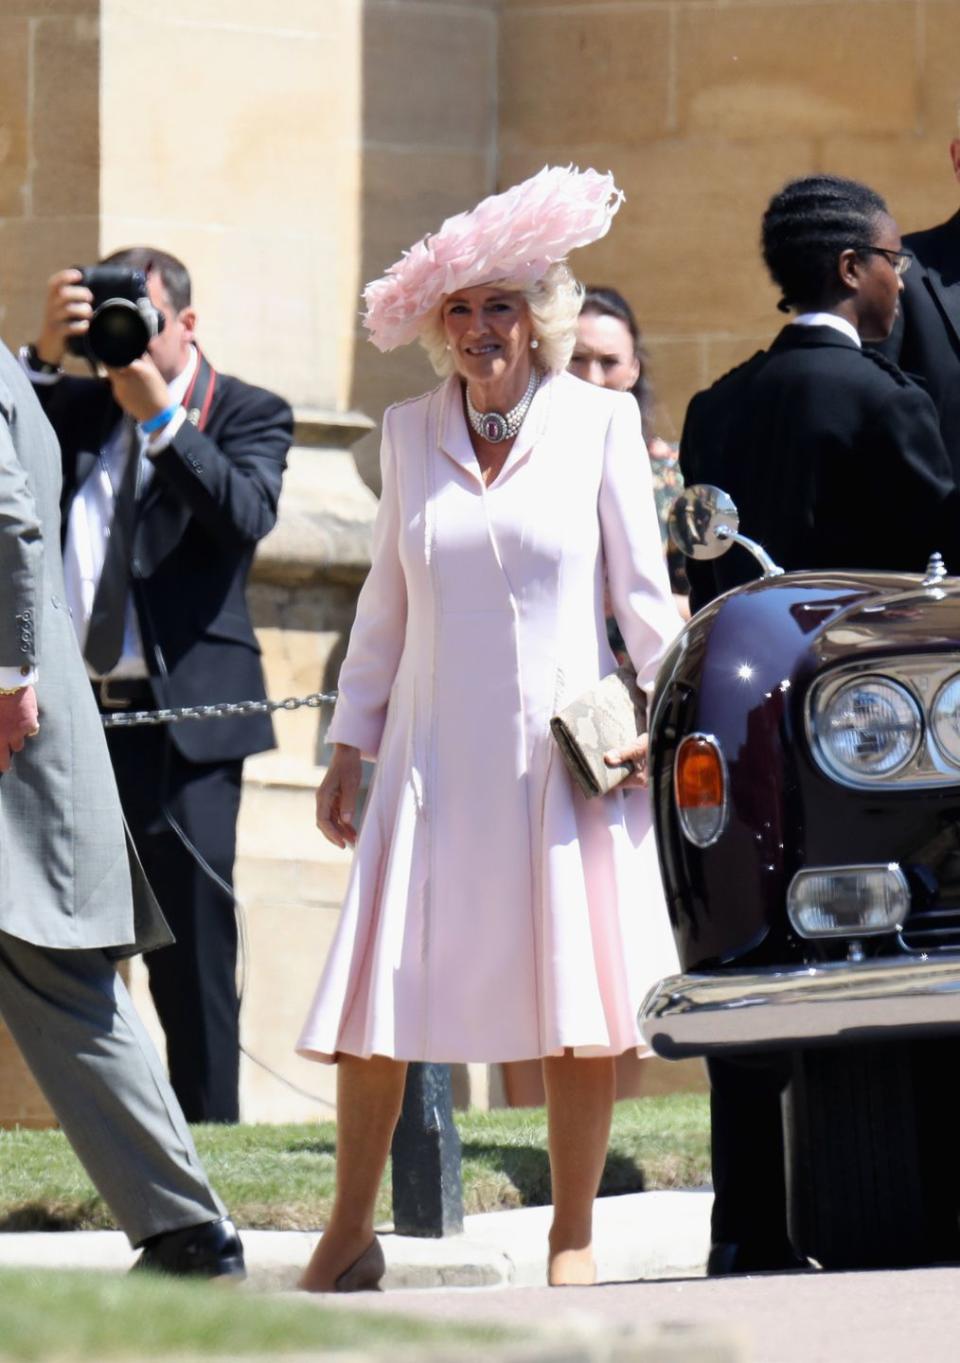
[704,522]
[696,517]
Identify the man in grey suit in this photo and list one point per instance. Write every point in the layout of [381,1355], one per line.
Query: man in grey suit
[69,906]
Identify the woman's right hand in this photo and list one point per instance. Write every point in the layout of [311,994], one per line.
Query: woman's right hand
[337,796]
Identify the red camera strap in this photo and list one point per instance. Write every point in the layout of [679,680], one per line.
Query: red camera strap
[199,396]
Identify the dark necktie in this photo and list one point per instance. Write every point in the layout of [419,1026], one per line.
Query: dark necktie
[107,619]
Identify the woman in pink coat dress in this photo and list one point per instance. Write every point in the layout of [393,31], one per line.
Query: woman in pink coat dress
[493,913]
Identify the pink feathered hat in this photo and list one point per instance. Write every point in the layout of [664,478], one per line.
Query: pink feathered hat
[515,235]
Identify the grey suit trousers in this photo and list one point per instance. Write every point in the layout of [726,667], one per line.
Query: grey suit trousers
[71,1016]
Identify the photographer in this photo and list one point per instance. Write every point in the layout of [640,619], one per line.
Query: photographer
[171,475]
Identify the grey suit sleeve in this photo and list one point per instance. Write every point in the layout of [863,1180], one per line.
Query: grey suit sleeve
[21,552]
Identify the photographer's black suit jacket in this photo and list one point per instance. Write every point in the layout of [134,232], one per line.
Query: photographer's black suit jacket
[925,340]
[213,495]
[833,456]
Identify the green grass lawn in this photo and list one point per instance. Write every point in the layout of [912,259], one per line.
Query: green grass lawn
[74,1316]
[281,1177]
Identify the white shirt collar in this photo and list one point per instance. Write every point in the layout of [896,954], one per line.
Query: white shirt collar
[177,387]
[829,319]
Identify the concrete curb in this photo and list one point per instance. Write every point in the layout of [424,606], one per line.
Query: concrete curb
[639,1235]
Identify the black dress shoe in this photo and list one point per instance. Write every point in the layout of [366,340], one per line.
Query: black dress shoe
[729,1256]
[210,1250]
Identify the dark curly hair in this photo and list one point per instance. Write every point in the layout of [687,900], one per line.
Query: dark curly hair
[805,228]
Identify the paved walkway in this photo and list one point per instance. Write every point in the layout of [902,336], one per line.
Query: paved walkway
[639,1235]
[883,1316]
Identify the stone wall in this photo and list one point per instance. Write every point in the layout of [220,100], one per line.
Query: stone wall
[230,136]
[49,150]
[227,137]
[702,108]
[429,128]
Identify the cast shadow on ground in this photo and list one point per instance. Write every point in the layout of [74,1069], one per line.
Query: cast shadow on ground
[310,1146]
[528,1169]
[40,1216]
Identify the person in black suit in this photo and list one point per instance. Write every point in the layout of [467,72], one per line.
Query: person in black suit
[172,474]
[925,340]
[835,460]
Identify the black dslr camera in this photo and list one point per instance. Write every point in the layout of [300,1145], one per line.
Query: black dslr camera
[124,320]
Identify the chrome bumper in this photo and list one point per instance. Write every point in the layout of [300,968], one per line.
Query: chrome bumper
[779,1009]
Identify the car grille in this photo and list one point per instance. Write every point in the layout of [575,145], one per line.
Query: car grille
[932,929]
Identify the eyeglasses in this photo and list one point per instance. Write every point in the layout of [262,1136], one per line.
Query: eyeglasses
[900,260]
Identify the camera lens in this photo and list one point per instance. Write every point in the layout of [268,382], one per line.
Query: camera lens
[118,334]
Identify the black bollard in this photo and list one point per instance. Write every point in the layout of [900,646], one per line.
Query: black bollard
[427,1180]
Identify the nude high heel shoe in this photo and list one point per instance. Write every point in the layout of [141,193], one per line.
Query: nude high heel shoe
[364,1274]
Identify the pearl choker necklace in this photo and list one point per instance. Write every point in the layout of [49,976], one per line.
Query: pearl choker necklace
[494,426]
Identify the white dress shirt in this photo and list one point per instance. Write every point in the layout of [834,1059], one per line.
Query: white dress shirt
[88,524]
[829,319]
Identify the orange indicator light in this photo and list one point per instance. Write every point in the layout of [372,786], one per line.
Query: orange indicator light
[699,774]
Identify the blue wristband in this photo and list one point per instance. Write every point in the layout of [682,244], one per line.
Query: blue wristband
[157,422]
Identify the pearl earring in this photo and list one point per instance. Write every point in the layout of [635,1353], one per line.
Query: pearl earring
[534,344]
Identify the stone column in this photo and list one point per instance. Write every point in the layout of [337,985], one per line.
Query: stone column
[49,150]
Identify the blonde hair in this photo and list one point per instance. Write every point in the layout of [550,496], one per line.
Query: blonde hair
[554,304]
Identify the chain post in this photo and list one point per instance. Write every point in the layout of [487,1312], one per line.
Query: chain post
[427,1177]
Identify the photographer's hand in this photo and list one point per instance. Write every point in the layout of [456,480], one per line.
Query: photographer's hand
[140,389]
[67,312]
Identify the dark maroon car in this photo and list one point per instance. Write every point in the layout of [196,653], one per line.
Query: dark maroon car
[805,767]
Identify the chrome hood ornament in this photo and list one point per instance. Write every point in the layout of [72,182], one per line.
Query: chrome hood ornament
[936,571]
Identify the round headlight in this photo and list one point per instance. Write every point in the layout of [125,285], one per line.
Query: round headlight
[945,720]
[869,728]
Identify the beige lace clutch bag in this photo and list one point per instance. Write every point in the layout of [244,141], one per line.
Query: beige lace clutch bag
[609,715]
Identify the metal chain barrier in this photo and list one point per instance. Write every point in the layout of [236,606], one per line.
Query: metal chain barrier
[126,719]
